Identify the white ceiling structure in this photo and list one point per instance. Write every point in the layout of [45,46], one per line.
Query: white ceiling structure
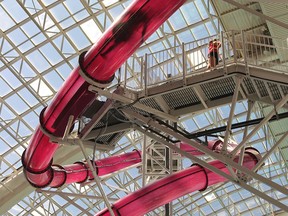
[40,43]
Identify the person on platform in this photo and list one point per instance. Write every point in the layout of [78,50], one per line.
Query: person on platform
[213,53]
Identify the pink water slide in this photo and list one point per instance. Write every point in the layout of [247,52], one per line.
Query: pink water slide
[98,65]
[174,186]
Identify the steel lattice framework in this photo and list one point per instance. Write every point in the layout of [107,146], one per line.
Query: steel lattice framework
[40,43]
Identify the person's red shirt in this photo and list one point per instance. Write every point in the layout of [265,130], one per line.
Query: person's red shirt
[214,46]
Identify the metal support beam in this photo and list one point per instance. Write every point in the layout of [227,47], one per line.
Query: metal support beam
[108,130]
[250,106]
[210,167]
[261,15]
[261,162]
[74,195]
[152,123]
[96,178]
[138,105]
[264,121]
[231,114]
[235,126]
[96,118]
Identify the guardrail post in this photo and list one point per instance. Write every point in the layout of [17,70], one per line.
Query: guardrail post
[244,51]
[141,72]
[234,47]
[223,51]
[145,71]
[184,64]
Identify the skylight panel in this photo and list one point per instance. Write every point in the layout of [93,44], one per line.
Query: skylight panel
[10,79]
[41,88]
[73,6]
[24,70]
[190,13]
[54,79]
[91,30]
[6,114]
[5,88]
[108,3]
[38,61]
[51,54]
[211,28]
[200,32]
[4,147]
[202,9]
[185,36]
[28,97]
[116,11]
[24,47]
[48,2]
[59,12]
[6,21]
[78,38]
[30,28]
[17,103]
[32,119]
[177,21]
[17,36]
[14,10]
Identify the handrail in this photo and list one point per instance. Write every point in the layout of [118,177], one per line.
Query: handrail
[250,49]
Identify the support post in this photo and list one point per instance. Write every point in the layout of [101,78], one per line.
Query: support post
[184,63]
[233,105]
[264,121]
[250,106]
[96,178]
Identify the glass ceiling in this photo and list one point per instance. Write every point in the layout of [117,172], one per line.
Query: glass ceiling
[40,43]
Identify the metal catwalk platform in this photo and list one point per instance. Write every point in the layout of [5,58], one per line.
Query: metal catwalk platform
[199,92]
[150,109]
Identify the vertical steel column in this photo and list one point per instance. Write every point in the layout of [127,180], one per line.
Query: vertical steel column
[96,177]
[223,51]
[233,105]
[264,121]
[141,72]
[145,74]
[184,64]
[259,164]
[125,74]
[234,47]
[250,106]
[144,160]
[169,166]
[245,51]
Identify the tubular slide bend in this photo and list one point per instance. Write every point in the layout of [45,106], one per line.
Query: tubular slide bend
[175,185]
[97,67]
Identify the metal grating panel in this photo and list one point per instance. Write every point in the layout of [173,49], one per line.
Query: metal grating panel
[151,103]
[110,139]
[274,90]
[284,89]
[261,87]
[249,86]
[219,89]
[182,98]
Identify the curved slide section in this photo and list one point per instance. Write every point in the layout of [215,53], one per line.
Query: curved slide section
[141,19]
[80,172]
[174,186]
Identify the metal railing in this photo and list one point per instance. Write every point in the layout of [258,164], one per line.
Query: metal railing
[187,59]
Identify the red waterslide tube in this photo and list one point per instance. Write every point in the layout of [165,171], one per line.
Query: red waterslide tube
[141,19]
[174,186]
[80,172]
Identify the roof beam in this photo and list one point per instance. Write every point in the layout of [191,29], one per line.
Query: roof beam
[261,15]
